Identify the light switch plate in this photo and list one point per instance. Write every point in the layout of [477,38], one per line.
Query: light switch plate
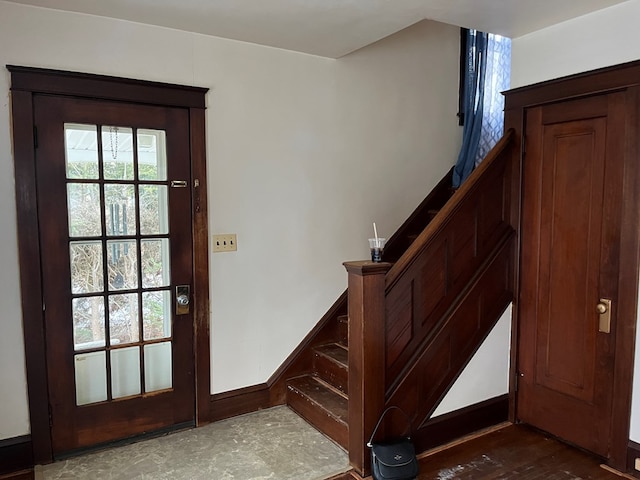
[224,243]
[637,464]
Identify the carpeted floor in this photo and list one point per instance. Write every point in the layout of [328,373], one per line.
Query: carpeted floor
[270,444]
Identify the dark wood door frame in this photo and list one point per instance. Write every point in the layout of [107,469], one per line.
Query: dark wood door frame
[27,82]
[625,77]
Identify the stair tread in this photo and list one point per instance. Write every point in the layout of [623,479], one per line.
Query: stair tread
[337,352]
[322,395]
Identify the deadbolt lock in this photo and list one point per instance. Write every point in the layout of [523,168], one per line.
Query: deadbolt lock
[183,299]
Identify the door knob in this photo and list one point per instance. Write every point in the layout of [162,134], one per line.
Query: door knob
[183,295]
[604,311]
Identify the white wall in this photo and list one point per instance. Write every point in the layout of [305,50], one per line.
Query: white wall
[486,376]
[303,154]
[603,38]
[600,39]
[354,144]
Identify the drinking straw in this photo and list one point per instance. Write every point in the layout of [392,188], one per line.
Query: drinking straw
[375,233]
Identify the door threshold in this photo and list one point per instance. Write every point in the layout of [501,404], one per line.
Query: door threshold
[161,432]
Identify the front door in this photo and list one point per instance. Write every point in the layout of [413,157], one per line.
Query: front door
[569,268]
[115,233]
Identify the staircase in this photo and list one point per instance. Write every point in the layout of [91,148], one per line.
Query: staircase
[322,395]
[319,393]
[416,319]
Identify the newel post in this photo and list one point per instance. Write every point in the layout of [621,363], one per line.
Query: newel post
[366,356]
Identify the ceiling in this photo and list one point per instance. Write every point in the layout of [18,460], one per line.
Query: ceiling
[330,28]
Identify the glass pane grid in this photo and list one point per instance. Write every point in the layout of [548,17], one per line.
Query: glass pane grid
[117,196]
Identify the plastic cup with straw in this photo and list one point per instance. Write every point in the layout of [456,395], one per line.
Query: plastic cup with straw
[376,245]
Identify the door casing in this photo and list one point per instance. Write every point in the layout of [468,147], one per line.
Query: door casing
[27,82]
[622,77]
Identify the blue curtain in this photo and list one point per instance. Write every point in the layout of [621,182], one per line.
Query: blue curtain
[497,80]
[476,67]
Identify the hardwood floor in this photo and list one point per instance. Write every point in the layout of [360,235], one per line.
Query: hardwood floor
[512,452]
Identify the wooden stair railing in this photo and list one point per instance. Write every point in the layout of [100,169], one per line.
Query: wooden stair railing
[314,379]
[415,324]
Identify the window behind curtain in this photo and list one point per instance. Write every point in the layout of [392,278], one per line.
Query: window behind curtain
[497,80]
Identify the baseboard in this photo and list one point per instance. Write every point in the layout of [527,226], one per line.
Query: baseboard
[16,456]
[450,426]
[236,402]
[633,452]
[21,475]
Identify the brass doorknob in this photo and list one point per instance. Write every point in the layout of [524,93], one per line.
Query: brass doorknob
[602,308]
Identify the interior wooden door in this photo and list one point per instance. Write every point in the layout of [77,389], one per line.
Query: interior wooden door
[572,196]
[114,213]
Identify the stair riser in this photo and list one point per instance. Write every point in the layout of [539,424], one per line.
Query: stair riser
[318,417]
[331,372]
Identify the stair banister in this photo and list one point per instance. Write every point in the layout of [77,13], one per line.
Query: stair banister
[448,210]
[366,283]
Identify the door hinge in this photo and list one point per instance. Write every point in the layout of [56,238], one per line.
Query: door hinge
[516,382]
[50,416]
[523,146]
[35,137]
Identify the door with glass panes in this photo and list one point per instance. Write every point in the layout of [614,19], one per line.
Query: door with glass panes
[114,213]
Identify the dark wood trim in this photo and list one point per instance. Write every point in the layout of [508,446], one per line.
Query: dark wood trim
[21,475]
[593,82]
[201,317]
[621,77]
[366,356]
[633,452]
[25,82]
[16,455]
[515,119]
[453,425]
[240,401]
[627,288]
[60,82]
[31,274]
